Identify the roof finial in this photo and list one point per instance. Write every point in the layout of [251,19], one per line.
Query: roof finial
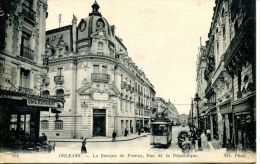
[95,8]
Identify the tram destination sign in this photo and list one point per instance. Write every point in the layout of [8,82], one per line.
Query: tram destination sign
[41,103]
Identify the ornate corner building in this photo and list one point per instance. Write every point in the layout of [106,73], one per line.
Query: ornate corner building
[21,71]
[89,66]
[228,105]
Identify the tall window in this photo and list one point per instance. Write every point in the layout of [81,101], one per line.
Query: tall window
[60,71]
[25,78]
[58,124]
[96,68]
[104,69]
[44,124]
[100,46]
[60,93]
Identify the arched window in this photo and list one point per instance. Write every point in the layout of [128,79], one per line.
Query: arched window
[58,124]
[44,124]
[45,93]
[60,93]
[100,46]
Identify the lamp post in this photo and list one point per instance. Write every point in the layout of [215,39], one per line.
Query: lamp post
[192,114]
[197,99]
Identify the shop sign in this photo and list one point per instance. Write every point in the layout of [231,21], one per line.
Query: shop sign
[10,97]
[41,103]
[100,96]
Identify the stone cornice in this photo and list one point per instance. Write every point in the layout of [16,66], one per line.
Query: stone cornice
[17,59]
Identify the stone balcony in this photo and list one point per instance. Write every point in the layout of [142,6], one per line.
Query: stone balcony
[25,90]
[100,77]
[59,79]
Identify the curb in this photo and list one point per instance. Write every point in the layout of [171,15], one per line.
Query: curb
[110,139]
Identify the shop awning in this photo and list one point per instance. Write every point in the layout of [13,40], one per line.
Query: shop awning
[12,96]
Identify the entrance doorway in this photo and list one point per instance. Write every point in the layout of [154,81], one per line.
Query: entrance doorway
[99,122]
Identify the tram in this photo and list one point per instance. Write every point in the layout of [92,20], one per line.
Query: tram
[161,132]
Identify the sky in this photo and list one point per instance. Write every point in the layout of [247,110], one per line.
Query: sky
[162,37]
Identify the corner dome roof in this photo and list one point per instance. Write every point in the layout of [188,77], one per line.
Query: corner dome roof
[95,21]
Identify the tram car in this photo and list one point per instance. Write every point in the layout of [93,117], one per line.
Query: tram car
[161,132]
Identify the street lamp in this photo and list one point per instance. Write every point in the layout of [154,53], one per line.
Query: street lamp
[197,99]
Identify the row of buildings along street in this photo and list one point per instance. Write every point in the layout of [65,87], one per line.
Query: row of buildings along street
[72,82]
[224,101]
[78,82]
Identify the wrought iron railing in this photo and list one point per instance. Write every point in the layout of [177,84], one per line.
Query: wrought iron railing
[234,44]
[27,53]
[25,90]
[100,77]
[28,12]
[59,79]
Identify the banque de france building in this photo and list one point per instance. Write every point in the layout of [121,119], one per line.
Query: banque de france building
[102,87]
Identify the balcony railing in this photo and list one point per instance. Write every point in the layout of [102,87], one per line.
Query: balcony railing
[234,44]
[100,77]
[28,13]
[59,79]
[25,90]
[27,53]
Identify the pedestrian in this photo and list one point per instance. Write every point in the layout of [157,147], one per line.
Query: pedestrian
[208,134]
[230,146]
[193,139]
[199,141]
[114,136]
[125,132]
[139,131]
[53,147]
[83,147]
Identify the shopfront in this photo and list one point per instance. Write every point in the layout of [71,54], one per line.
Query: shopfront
[227,122]
[245,124]
[20,117]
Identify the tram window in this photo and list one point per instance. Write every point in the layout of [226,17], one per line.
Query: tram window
[160,130]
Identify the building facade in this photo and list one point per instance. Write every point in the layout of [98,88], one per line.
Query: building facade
[103,89]
[230,74]
[173,113]
[21,71]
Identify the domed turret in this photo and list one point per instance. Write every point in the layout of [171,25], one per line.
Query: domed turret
[94,26]
[95,8]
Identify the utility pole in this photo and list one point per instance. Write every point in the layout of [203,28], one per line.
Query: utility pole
[59,20]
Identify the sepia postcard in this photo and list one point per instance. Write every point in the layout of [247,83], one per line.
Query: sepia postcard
[128,81]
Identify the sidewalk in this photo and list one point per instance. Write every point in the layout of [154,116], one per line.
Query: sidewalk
[210,145]
[103,139]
